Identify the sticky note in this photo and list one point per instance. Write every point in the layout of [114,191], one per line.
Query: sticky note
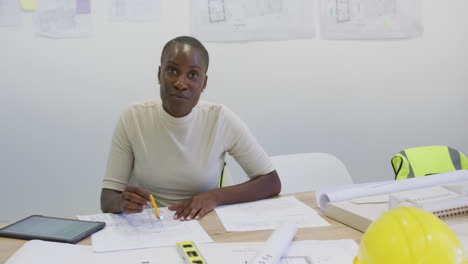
[83,6]
[28,5]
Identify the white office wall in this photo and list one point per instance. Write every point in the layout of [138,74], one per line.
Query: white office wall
[362,101]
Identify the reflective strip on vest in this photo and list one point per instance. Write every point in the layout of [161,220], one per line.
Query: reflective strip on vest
[455,156]
[411,173]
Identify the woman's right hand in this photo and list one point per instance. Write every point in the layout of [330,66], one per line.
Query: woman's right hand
[133,200]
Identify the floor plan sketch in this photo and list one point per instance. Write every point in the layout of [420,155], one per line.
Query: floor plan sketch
[135,10]
[143,230]
[342,11]
[216,10]
[117,9]
[60,19]
[298,252]
[370,19]
[267,7]
[243,20]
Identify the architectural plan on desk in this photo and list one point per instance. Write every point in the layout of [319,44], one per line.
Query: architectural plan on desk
[268,214]
[300,252]
[370,19]
[143,230]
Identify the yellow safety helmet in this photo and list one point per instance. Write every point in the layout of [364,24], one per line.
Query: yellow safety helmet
[408,235]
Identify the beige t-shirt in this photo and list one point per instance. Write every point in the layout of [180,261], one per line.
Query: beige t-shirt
[176,158]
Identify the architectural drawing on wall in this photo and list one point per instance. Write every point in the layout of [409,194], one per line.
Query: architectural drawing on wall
[216,10]
[135,10]
[10,13]
[370,19]
[268,7]
[243,20]
[342,11]
[60,19]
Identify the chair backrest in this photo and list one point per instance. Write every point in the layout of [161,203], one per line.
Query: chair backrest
[421,161]
[225,179]
[309,171]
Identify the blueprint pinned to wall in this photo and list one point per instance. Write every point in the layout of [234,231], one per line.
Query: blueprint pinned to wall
[10,13]
[135,10]
[62,19]
[244,20]
[370,19]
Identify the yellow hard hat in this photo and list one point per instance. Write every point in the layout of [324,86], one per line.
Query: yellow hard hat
[408,235]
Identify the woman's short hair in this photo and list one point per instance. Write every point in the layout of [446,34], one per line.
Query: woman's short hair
[191,41]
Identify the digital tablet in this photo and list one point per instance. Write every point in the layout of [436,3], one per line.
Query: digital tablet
[51,229]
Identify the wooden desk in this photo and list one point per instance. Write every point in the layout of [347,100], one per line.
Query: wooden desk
[215,229]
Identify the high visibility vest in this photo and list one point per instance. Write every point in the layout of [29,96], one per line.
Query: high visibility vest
[422,161]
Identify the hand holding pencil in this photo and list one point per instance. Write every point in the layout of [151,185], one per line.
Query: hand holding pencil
[155,207]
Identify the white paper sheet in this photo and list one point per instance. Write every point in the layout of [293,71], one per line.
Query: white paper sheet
[242,20]
[143,230]
[268,214]
[276,245]
[370,19]
[37,251]
[10,13]
[348,192]
[135,10]
[301,252]
[459,226]
[59,19]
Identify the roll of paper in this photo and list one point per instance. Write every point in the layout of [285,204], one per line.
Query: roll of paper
[276,245]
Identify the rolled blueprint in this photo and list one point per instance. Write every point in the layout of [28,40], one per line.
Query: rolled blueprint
[348,192]
[276,245]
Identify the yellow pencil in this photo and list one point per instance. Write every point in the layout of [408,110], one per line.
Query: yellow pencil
[155,207]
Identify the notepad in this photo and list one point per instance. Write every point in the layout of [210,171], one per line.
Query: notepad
[51,229]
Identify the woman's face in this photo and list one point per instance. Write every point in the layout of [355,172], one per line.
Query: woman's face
[182,76]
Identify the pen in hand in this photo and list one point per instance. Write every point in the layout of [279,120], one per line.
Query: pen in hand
[155,207]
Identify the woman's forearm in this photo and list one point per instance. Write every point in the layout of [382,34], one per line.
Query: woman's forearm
[260,187]
[110,201]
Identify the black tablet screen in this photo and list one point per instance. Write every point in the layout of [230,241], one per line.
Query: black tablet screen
[42,227]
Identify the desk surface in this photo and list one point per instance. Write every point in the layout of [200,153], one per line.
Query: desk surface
[215,229]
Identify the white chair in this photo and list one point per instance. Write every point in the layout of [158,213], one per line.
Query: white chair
[226,178]
[309,171]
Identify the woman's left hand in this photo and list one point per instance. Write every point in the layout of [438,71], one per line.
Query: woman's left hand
[260,187]
[196,207]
